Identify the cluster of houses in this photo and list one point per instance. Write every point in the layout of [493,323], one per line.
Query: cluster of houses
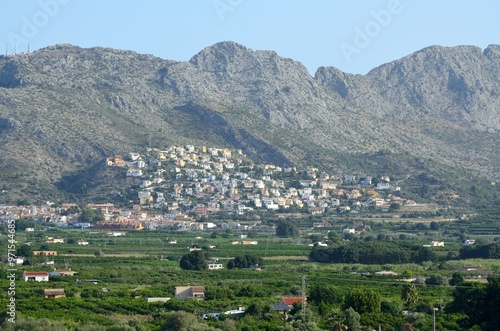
[229,182]
[198,293]
[43,276]
[180,185]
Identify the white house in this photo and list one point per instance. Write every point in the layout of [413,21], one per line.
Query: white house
[62,272]
[214,265]
[132,172]
[158,299]
[18,260]
[386,273]
[249,242]
[383,186]
[55,240]
[115,234]
[36,276]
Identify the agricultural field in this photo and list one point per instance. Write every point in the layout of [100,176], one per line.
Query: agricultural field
[115,276]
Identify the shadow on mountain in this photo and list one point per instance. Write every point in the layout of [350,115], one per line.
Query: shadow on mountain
[233,136]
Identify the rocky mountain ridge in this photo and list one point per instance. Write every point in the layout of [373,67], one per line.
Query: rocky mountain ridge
[64,108]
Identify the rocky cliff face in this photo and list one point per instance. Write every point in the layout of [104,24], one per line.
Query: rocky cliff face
[454,84]
[64,108]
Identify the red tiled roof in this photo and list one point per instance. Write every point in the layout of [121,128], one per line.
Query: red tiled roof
[291,301]
[35,273]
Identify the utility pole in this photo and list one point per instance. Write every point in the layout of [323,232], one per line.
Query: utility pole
[434,319]
[303,292]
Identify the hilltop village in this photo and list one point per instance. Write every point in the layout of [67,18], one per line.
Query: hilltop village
[193,188]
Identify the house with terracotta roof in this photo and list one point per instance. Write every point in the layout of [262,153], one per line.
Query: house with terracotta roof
[287,303]
[54,293]
[36,276]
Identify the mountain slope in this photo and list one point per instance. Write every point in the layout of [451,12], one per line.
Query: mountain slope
[64,108]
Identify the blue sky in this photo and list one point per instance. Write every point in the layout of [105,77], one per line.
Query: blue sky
[354,36]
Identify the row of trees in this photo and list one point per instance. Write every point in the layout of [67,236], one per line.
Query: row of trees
[488,251]
[244,261]
[197,260]
[373,252]
[479,302]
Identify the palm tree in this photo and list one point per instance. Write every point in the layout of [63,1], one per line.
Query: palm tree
[409,294]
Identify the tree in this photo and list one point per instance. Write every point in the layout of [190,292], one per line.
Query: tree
[390,307]
[21,225]
[183,321]
[336,320]
[437,280]
[334,237]
[316,238]
[252,234]
[71,210]
[327,294]
[196,260]
[44,247]
[409,294]
[23,202]
[394,206]
[363,301]
[24,251]
[407,274]
[421,226]
[286,229]
[90,216]
[435,226]
[479,302]
[98,253]
[244,261]
[303,321]
[33,324]
[352,319]
[456,279]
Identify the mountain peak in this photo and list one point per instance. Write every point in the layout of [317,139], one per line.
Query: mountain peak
[220,53]
[77,105]
[492,52]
